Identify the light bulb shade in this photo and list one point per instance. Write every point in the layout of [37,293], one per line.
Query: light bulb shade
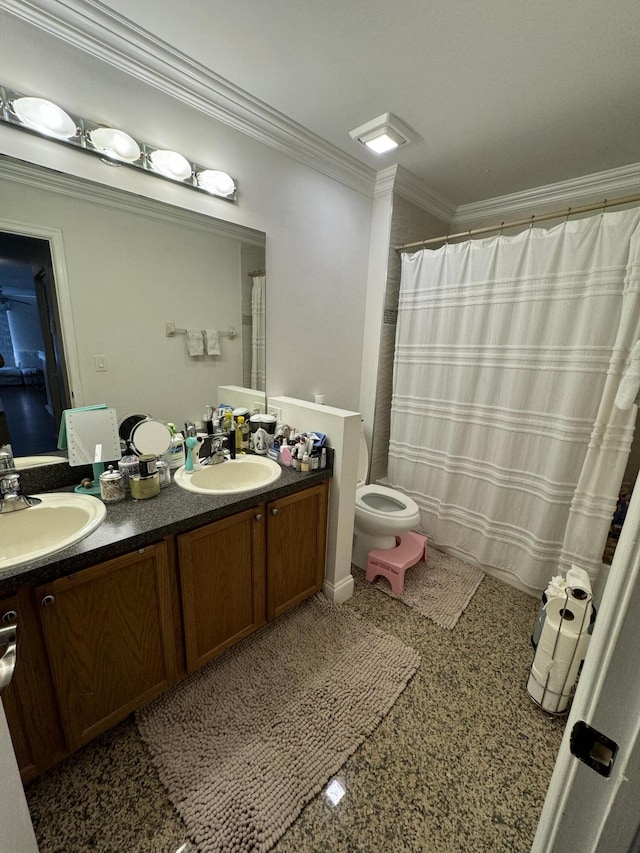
[45,117]
[170,164]
[115,143]
[218,183]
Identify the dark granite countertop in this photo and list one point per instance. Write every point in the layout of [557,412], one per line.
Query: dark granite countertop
[132,524]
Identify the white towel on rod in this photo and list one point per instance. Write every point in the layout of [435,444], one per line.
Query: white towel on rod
[195,342]
[213,342]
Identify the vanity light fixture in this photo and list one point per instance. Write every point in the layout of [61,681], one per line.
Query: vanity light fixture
[37,115]
[45,117]
[170,164]
[115,143]
[383,134]
[215,182]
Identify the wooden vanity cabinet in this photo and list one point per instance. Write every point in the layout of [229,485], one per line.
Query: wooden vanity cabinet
[98,644]
[222,569]
[296,544]
[109,637]
[29,701]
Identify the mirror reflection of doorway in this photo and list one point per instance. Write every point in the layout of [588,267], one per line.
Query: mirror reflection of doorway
[33,383]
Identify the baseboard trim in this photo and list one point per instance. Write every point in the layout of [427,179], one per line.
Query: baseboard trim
[339,592]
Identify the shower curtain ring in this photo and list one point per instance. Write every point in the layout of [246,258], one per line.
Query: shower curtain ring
[604,206]
[501,228]
[531,223]
[566,219]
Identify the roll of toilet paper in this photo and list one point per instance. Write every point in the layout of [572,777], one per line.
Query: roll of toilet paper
[579,581]
[561,649]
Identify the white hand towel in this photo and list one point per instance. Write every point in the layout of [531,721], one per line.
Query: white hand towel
[213,342]
[195,342]
[630,383]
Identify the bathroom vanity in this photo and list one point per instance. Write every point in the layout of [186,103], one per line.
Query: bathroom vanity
[161,588]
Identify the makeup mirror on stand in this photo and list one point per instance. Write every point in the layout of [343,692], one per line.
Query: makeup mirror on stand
[91,438]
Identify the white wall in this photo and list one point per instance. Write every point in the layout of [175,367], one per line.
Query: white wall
[317,229]
[342,429]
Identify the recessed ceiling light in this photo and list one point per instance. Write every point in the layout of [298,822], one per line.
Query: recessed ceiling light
[383,134]
[45,117]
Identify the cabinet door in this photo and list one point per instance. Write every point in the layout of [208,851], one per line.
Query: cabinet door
[29,701]
[222,581]
[108,632]
[296,534]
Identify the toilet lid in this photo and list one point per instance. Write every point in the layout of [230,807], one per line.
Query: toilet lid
[363,461]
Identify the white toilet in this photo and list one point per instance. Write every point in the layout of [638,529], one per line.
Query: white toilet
[381,514]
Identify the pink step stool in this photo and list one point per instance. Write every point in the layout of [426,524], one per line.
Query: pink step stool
[392,563]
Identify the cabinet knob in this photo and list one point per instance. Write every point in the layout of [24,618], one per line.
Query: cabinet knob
[258,516]
[275,510]
[10,616]
[48,600]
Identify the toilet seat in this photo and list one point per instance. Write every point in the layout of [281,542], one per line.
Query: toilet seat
[381,500]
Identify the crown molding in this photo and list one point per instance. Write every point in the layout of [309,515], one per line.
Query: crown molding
[385,181]
[622,181]
[419,193]
[91,27]
[62,183]
[397,179]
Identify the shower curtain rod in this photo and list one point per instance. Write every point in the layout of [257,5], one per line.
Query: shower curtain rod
[472,232]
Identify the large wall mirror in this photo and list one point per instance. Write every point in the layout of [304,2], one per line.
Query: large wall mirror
[91,280]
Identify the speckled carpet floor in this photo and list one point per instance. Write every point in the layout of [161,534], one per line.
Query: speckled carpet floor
[460,764]
[439,587]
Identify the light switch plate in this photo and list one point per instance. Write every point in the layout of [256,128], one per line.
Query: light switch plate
[101,364]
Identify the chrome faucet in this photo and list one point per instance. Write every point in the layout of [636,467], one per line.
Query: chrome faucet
[213,451]
[11,497]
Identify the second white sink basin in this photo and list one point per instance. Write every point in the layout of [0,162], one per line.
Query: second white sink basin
[241,474]
[37,461]
[60,520]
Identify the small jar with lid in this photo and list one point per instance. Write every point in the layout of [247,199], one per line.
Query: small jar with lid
[164,471]
[146,484]
[112,486]
[144,487]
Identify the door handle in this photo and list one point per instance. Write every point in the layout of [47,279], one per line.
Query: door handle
[8,636]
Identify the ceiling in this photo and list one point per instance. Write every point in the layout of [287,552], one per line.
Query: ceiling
[503,95]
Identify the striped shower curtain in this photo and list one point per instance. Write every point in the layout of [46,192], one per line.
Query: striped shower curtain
[258,333]
[509,353]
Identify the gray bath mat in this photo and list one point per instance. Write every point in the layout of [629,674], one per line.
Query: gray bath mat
[247,741]
[440,588]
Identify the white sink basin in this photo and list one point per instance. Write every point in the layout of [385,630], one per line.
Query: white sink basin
[37,461]
[241,474]
[61,520]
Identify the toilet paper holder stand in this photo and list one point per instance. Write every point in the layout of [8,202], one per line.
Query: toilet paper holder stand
[584,601]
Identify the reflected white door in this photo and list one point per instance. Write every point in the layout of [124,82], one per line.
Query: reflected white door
[583,810]
[16,835]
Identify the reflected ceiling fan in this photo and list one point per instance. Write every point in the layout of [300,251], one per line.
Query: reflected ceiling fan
[7,301]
